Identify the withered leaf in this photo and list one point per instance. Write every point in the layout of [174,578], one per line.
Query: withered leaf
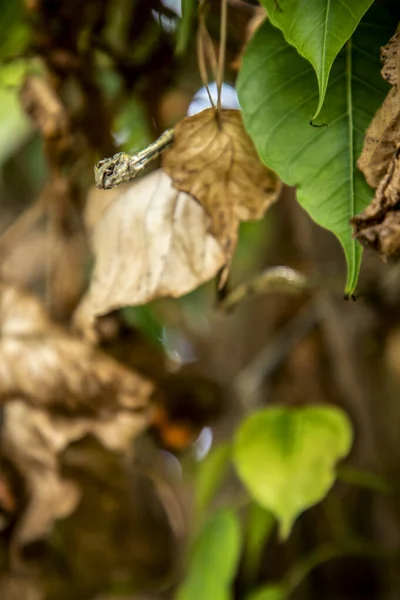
[378,226]
[50,368]
[33,439]
[57,389]
[382,136]
[214,160]
[151,242]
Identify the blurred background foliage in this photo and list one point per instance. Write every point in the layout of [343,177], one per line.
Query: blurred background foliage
[175,521]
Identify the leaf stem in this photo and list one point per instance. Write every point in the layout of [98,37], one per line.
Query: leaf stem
[222,49]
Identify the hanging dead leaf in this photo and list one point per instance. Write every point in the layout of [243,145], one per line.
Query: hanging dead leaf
[57,389]
[51,368]
[382,136]
[214,160]
[378,226]
[97,202]
[151,242]
[33,439]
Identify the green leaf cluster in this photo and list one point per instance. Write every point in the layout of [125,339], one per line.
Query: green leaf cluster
[318,58]
[286,458]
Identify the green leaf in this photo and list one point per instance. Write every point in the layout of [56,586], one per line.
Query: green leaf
[214,559]
[277,92]
[14,29]
[185,26]
[269,592]
[209,476]
[258,527]
[286,457]
[15,127]
[318,29]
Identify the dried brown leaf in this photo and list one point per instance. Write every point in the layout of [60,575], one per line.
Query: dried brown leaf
[151,242]
[51,368]
[33,439]
[378,226]
[57,389]
[214,160]
[382,136]
[97,202]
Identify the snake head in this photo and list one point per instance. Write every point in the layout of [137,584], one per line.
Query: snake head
[110,172]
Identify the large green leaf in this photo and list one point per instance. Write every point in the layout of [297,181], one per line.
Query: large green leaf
[214,559]
[318,29]
[286,457]
[277,92]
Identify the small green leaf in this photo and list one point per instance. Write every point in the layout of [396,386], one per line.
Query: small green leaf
[209,476]
[214,559]
[286,457]
[277,92]
[318,29]
[269,592]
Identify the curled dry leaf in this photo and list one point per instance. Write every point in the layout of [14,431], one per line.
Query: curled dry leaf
[382,136]
[53,369]
[378,226]
[34,438]
[97,202]
[151,242]
[214,160]
[57,389]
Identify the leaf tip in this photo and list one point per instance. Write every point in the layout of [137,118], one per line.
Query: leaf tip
[285,527]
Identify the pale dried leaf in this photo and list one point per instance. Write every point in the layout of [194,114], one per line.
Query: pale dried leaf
[33,440]
[214,160]
[32,444]
[382,136]
[97,202]
[57,389]
[151,242]
[49,367]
